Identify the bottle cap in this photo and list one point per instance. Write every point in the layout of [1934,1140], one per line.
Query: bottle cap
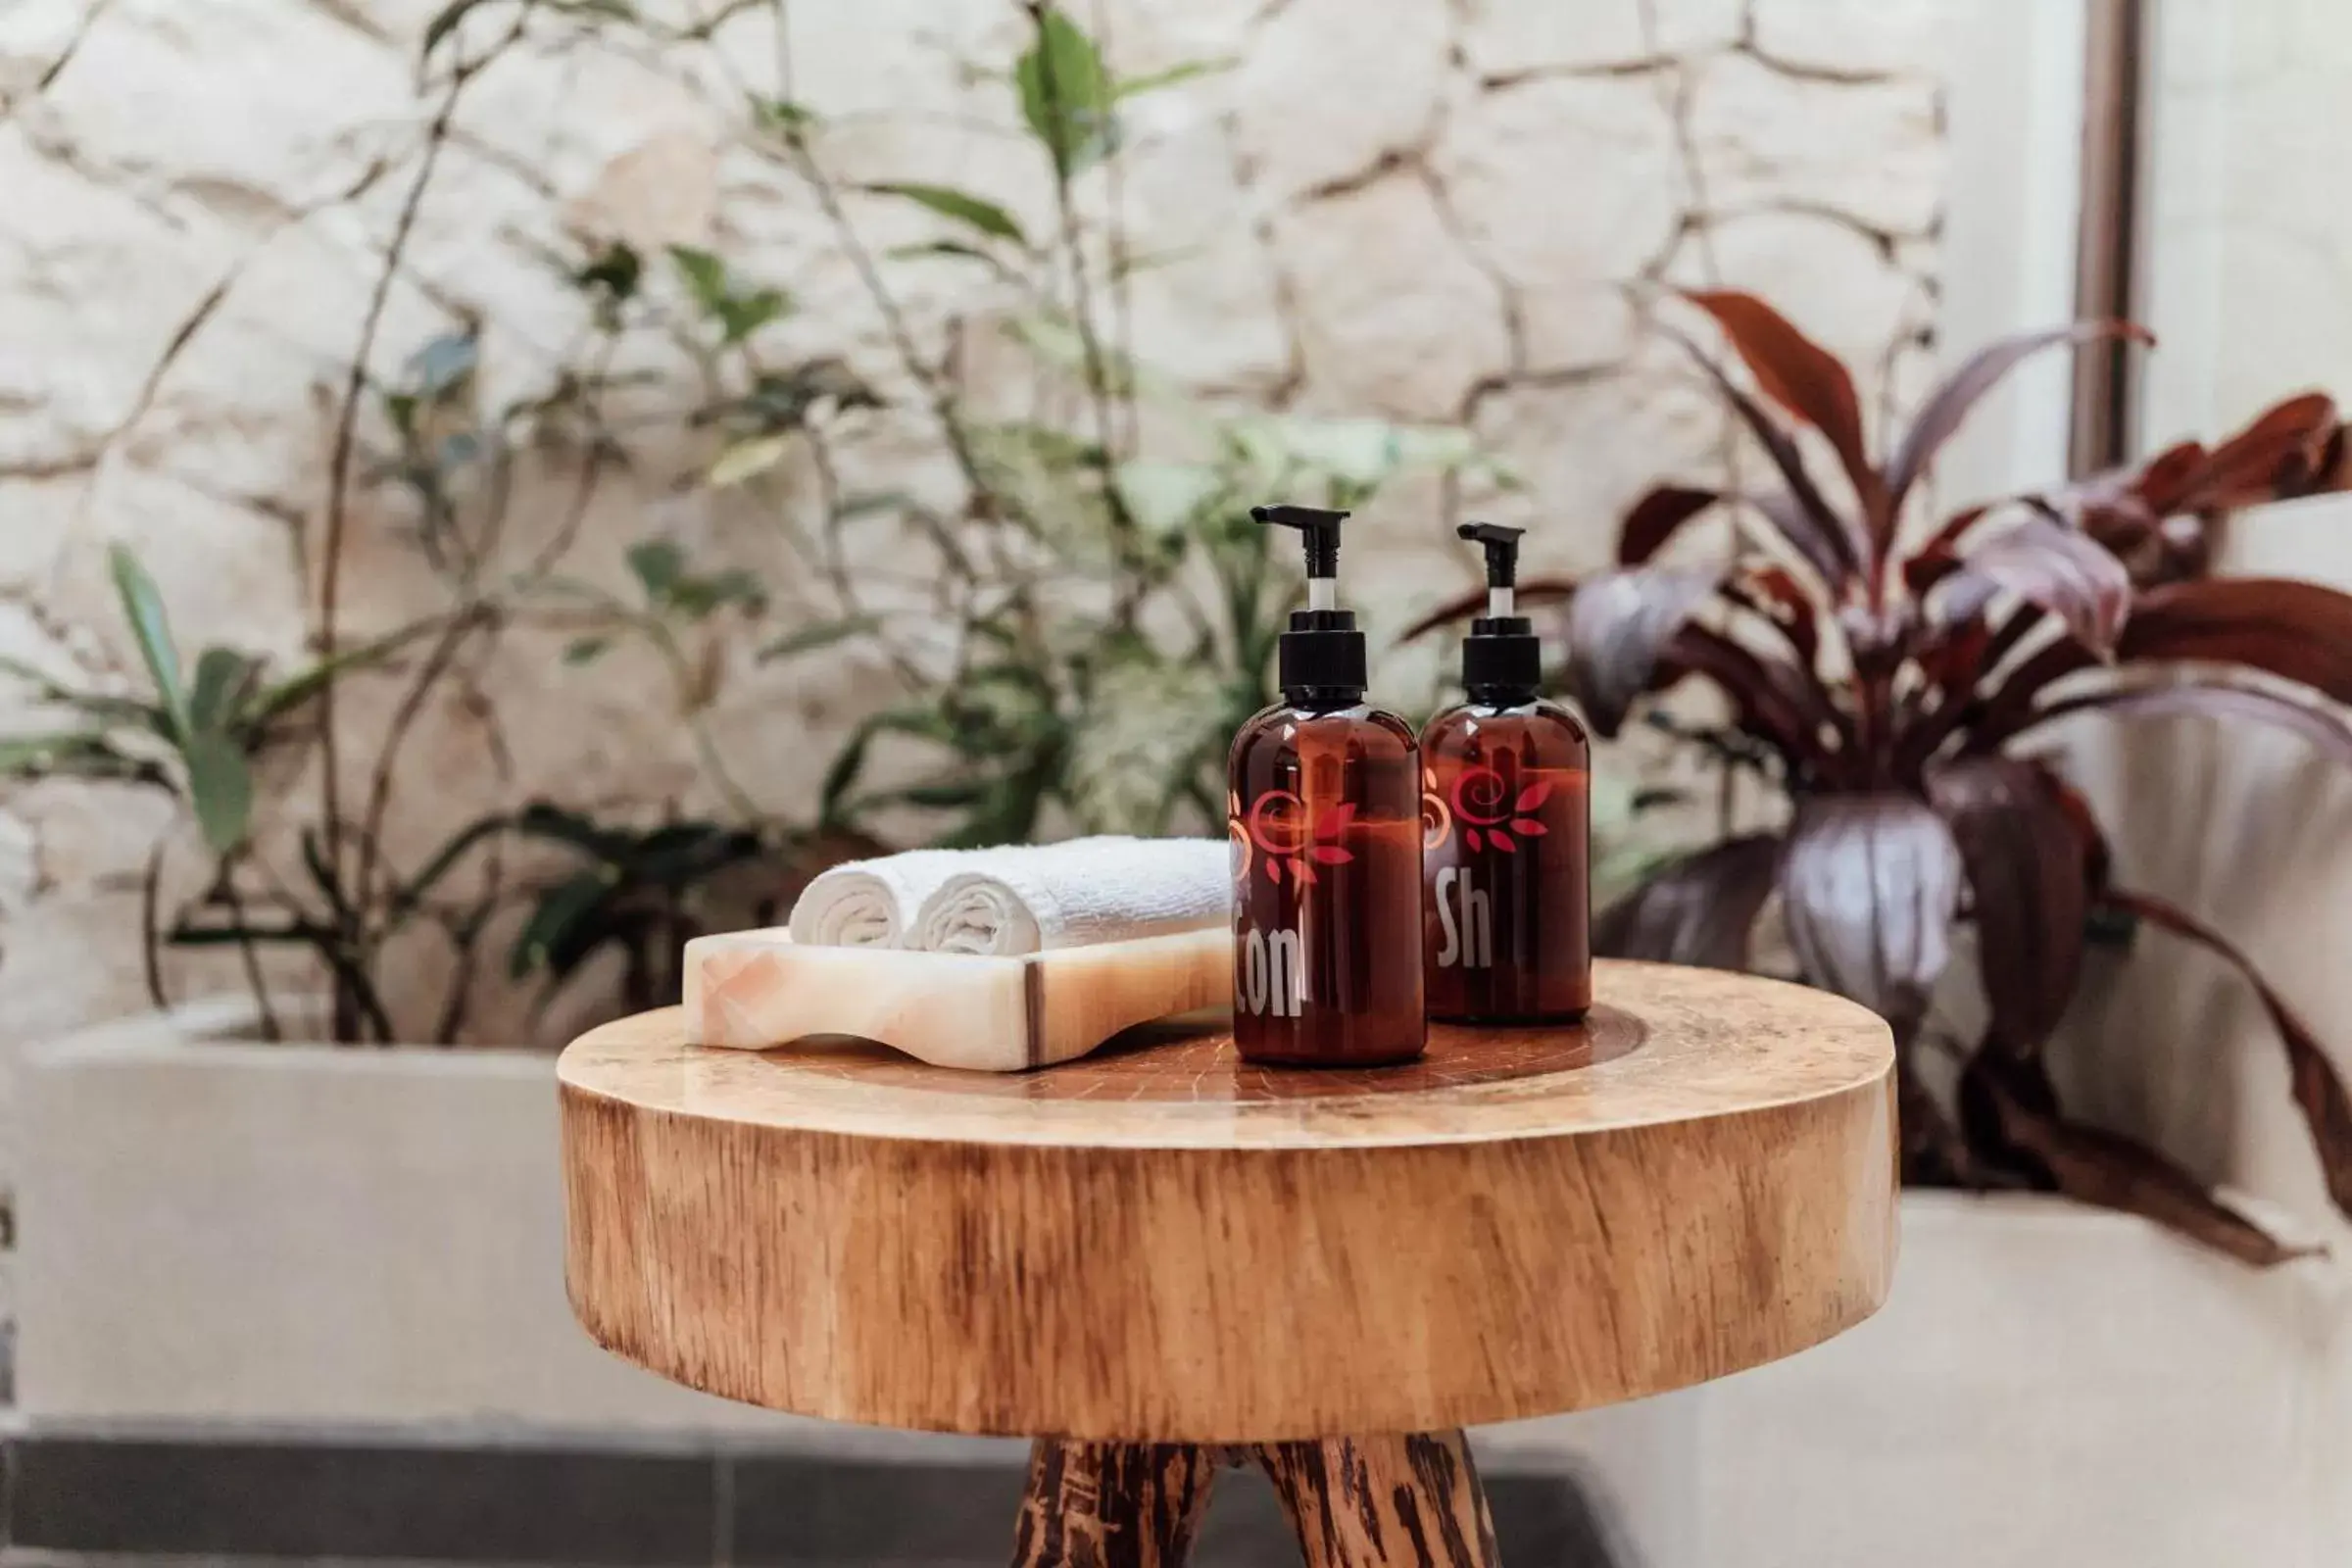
[1322,655]
[1501,659]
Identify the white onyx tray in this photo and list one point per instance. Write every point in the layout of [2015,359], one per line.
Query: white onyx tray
[755,990]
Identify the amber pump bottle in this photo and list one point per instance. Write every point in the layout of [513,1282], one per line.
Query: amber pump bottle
[1324,805]
[1507,847]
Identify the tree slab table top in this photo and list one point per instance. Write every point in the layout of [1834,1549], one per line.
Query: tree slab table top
[1160,1257]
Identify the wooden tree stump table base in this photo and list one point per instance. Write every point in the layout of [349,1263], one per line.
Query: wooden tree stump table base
[1166,1260]
[1354,1502]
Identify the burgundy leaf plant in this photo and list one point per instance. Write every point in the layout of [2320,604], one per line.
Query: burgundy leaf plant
[1895,681]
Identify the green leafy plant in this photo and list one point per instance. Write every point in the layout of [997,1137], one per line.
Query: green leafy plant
[1109,615]
[636,893]
[194,734]
[1093,619]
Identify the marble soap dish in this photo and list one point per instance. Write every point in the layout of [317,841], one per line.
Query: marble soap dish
[755,990]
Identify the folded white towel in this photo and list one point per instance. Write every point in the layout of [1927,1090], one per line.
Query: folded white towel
[1031,899]
[872,904]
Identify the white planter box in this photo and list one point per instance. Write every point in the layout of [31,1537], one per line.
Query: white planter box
[2049,1384]
[303,1236]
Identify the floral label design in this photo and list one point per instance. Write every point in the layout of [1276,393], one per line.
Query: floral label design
[1483,809]
[1278,837]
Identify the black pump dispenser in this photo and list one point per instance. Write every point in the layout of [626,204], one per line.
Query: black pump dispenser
[1322,656]
[1501,659]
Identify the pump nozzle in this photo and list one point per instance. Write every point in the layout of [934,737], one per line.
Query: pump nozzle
[1322,651]
[1500,658]
[1320,532]
[1502,561]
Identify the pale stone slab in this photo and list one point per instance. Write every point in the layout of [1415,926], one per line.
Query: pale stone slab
[1513,36]
[756,989]
[1402,321]
[1326,97]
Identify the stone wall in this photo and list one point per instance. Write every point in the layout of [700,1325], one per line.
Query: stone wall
[1439,213]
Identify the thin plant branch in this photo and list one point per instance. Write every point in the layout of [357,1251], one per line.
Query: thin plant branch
[1082,308]
[151,936]
[346,444]
[248,952]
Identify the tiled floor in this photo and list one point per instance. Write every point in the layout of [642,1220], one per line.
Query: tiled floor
[93,1501]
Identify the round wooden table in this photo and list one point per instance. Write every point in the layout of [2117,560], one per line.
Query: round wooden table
[1162,1259]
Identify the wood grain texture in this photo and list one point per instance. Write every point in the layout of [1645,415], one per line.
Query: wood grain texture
[1353,1502]
[1112,1505]
[1360,1502]
[1165,1244]
[753,990]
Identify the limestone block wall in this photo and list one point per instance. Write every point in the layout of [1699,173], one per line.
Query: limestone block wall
[1453,213]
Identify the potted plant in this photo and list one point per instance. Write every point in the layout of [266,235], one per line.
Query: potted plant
[1894,679]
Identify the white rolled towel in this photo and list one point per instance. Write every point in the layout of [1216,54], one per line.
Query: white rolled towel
[1030,899]
[872,904]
